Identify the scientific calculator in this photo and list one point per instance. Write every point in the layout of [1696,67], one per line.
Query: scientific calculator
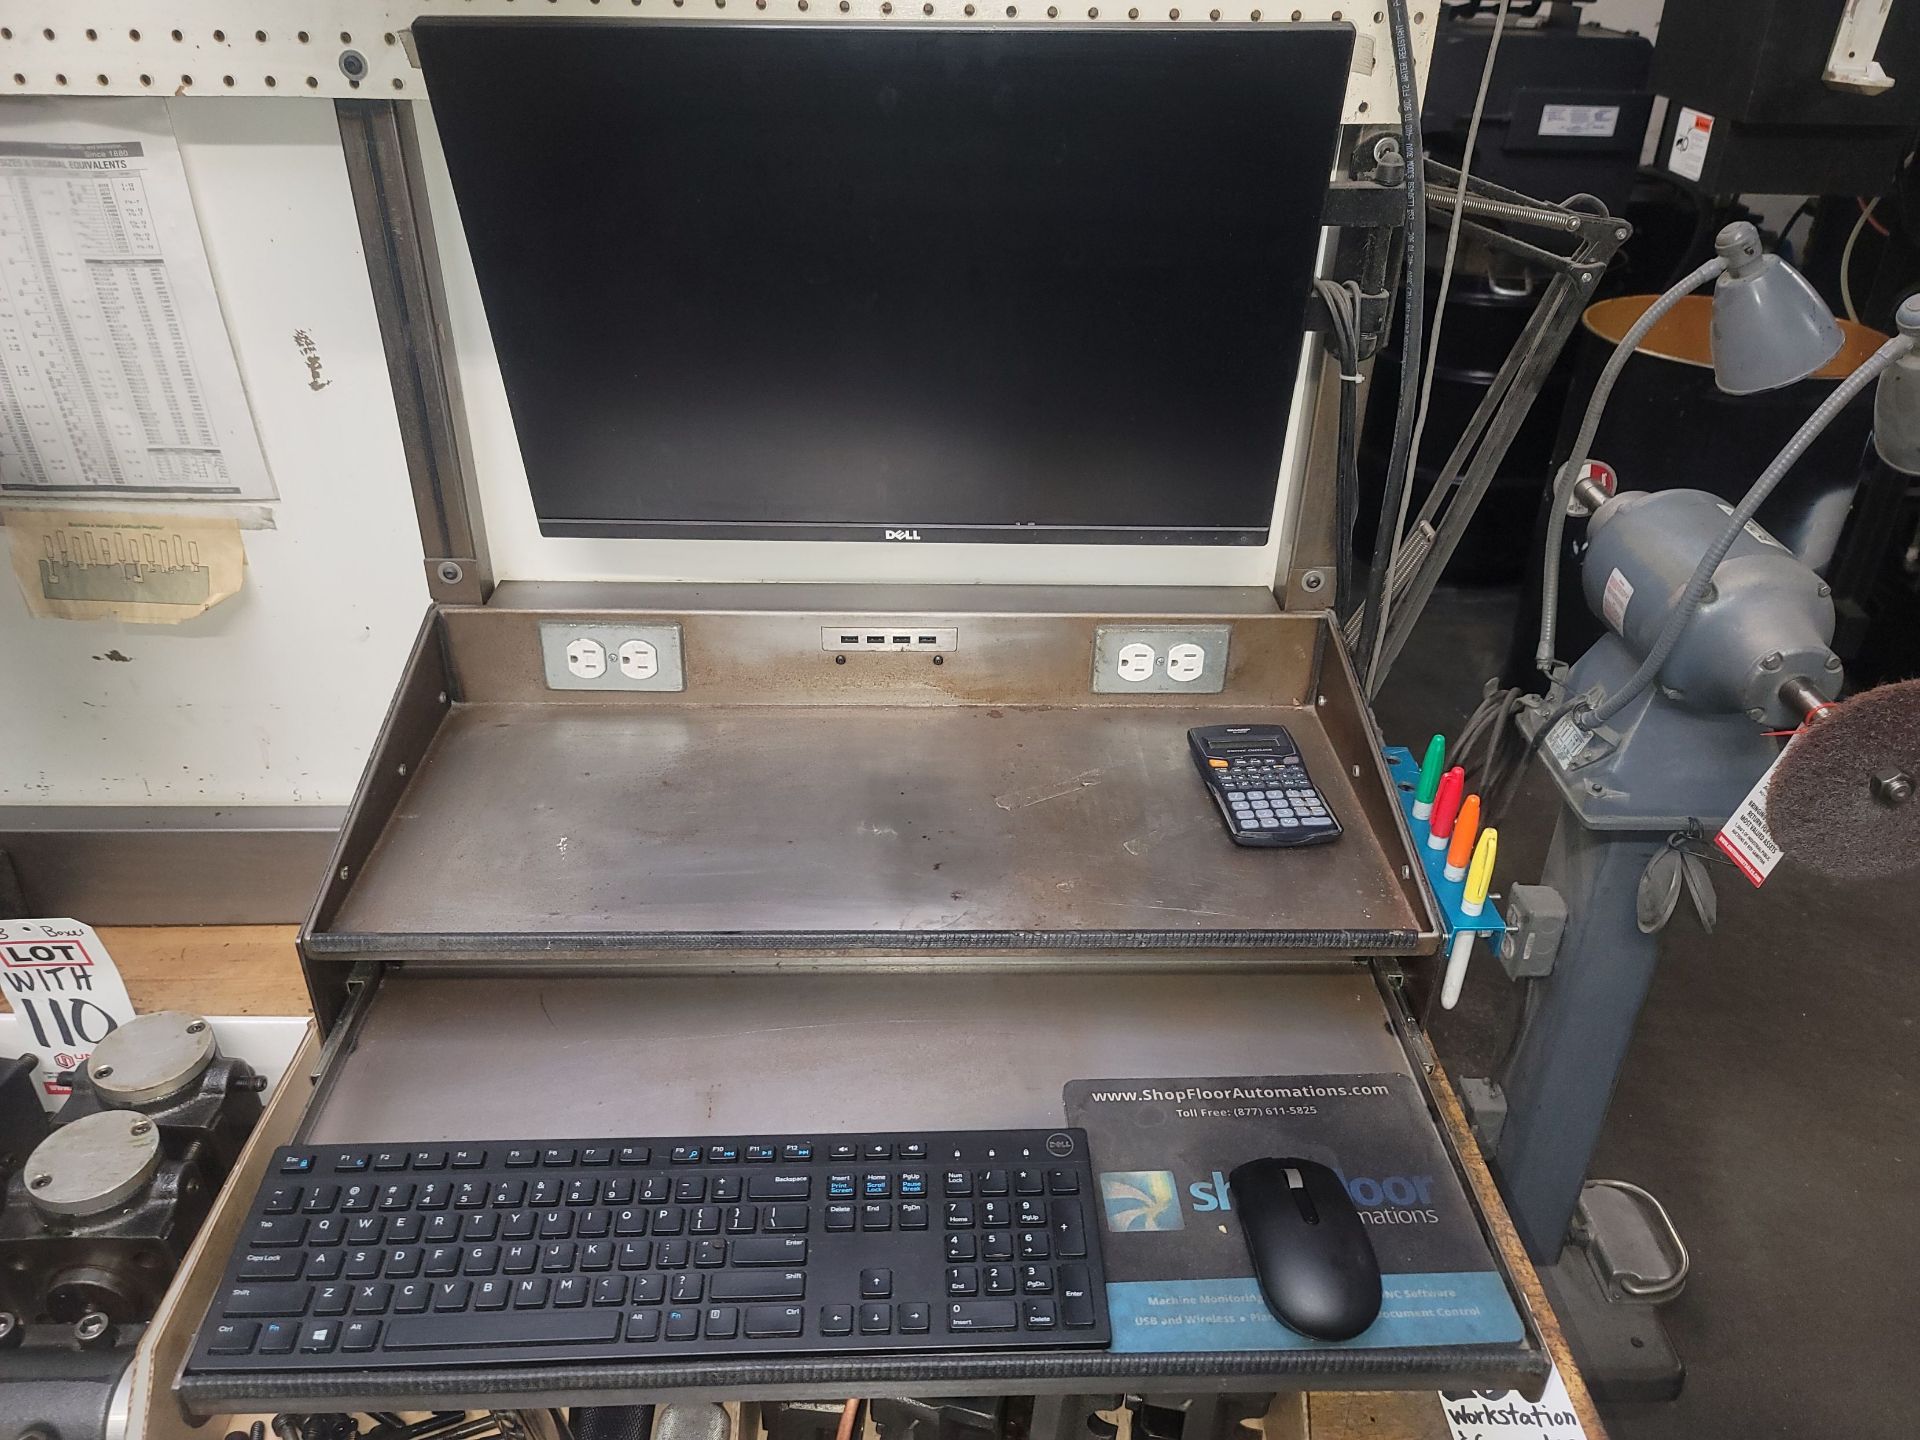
[1257,778]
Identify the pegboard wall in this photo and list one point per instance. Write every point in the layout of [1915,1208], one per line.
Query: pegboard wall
[347,48]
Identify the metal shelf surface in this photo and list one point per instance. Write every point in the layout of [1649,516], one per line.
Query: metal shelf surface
[791,808]
[852,826]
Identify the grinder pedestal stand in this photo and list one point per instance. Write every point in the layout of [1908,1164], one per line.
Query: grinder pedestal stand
[1608,1254]
[1558,1089]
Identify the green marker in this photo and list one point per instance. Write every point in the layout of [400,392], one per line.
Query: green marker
[1430,769]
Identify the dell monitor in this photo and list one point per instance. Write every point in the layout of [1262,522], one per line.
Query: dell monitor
[904,282]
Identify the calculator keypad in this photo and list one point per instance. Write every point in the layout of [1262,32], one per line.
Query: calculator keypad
[1273,794]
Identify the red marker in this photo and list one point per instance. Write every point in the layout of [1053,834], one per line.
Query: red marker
[1446,808]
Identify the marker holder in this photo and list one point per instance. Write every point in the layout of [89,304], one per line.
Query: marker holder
[1404,770]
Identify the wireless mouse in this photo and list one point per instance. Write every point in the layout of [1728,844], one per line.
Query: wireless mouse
[1311,1252]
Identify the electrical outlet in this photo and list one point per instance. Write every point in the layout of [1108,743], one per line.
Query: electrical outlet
[1186,662]
[1160,659]
[1137,661]
[582,656]
[890,635]
[586,659]
[639,660]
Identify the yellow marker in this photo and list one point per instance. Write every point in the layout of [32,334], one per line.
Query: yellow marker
[1479,880]
[1480,874]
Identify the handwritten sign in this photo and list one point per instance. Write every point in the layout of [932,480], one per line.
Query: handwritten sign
[62,983]
[1499,1414]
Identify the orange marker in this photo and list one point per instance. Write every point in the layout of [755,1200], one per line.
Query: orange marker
[1466,830]
[1446,805]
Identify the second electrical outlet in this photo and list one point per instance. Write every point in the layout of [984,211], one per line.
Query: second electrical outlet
[1160,660]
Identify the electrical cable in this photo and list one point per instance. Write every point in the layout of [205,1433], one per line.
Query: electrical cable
[1846,260]
[1489,747]
[1439,320]
[1703,217]
[1583,444]
[1682,613]
[1400,463]
[1784,245]
[1342,300]
[1347,489]
[1529,1006]
[1497,775]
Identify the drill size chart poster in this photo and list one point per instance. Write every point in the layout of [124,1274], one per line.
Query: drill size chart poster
[1178,1273]
[117,378]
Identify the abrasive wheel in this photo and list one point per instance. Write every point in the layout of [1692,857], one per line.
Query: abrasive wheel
[1842,800]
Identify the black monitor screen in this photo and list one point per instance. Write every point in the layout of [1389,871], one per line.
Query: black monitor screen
[826,281]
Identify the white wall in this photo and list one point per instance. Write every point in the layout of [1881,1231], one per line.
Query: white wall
[274,696]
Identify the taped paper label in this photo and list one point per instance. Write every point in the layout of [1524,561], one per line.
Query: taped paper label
[1692,133]
[1613,604]
[124,565]
[1745,839]
[1585,122]
[1485,1414]
[63,985]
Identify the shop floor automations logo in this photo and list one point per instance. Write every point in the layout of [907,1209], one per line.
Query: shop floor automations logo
[1141,1200]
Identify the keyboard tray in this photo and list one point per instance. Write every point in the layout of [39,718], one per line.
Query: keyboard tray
[428,1058]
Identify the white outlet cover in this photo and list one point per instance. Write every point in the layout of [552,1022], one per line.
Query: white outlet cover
[1136,662]
[1148,659]
[639,660]
[638,655]
[1186,662]
[587,659]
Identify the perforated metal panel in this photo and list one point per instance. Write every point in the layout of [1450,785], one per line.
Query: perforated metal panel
[345,48]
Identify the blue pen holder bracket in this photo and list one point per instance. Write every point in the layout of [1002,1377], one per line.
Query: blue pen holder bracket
[1404,771]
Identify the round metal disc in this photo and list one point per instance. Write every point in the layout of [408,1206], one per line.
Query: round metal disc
[94,1164]
[151,1057]
[1831,804]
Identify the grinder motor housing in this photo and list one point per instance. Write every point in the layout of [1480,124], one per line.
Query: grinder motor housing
[1766,619]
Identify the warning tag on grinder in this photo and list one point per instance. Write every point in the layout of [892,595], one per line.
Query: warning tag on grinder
[1745,838]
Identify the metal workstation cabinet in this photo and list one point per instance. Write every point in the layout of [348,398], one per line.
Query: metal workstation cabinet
[820,892]
[689,868]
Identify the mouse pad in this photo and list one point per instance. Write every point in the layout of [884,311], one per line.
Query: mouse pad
[1178,1273]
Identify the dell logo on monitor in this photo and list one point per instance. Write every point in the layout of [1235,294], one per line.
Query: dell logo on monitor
[903,534]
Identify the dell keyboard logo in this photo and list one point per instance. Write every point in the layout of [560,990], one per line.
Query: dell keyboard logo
[1141,1200]
[903,534]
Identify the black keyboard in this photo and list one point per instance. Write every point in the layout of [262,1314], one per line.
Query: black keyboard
[495,1252]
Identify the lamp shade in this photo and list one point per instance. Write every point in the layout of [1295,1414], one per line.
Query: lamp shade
[1770,327]
[1896,400]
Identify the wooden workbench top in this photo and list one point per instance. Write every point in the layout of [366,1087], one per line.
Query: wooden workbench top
[254,970]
